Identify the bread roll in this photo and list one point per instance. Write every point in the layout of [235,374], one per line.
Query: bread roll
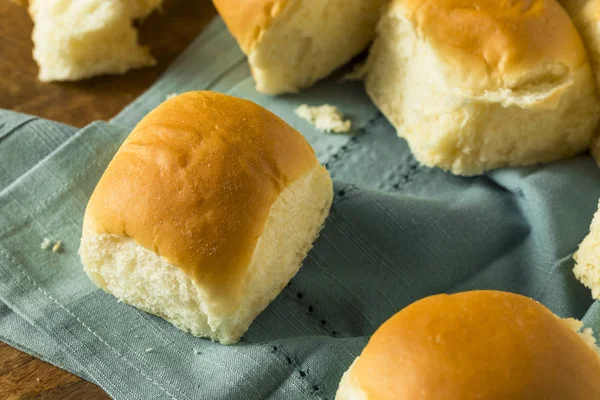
[480,345]
[291,44]
[77,39]
[474,85]
[205,213]
[587,258]
[586,15]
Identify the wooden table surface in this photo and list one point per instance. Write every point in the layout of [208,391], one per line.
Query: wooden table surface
[167,34]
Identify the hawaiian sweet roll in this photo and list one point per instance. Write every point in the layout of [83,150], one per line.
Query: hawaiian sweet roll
[291,44]
[474,85]
[483,345]
[205,213]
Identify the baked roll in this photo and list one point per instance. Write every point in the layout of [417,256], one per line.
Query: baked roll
[205,213]
[480,345]
[78,39]
[291,44]
[474,85]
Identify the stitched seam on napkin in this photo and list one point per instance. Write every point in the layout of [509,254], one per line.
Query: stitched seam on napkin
[304,374]
[324,322]
[284,356]
[51,360]
[6,134]
[405,177]
[160,332]
[66,346]
[352,143]
[52,196]
[273,349]
[395,180]
[341,195]
[13,261]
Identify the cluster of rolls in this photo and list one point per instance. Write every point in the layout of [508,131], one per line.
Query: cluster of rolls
[211,204]
[208,209]
[471,85]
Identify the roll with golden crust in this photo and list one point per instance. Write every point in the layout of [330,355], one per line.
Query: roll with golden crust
[474,85]
[205,213]
[291,44]
[480,345]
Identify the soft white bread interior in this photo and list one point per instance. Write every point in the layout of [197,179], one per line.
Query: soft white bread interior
[79,39]
[206,212]
[587,258]
[475,345]
[480,84]
[586,16]
[291,44]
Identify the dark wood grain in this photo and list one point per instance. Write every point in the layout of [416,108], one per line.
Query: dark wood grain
[24,377]
[167,34]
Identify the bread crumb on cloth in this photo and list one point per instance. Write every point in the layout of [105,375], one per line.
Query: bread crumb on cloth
[326,118]
[57,247]
[45,244]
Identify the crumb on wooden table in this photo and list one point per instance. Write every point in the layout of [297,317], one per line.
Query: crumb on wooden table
[326,118]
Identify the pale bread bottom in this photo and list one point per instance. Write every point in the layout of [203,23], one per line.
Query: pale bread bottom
[143,279]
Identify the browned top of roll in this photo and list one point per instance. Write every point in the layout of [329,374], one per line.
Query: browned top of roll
[195,181]
[493,44]
[248,19]
[478,345]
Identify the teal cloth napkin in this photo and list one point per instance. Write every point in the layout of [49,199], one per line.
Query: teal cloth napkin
[397,232]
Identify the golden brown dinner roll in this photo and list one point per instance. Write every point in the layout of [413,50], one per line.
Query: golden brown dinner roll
[205,213]
[77,39]
[291,44]
[476,345]
[479,84]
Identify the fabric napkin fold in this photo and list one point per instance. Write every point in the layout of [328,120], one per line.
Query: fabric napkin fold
[397,232]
